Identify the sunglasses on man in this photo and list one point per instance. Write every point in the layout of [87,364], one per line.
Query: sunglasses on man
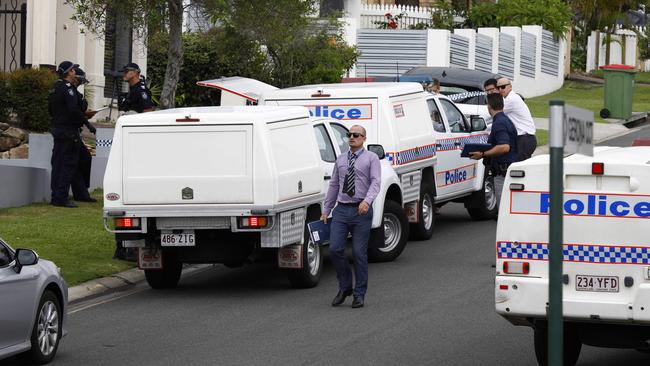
[356,135]
[502,87]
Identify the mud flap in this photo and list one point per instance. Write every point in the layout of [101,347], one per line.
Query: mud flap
[411,211]
[290,257]
[150,258]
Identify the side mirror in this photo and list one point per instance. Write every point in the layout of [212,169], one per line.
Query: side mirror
[477,123]
[377,149]
[25,257]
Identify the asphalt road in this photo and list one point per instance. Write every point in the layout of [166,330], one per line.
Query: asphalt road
[432,306]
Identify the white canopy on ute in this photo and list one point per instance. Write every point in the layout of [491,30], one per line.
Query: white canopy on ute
[237,90]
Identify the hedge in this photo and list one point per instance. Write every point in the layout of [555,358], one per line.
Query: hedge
[28,91]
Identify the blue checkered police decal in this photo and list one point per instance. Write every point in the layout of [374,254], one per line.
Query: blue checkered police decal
[104,142]
[411,155]
[576,253]
[449,144]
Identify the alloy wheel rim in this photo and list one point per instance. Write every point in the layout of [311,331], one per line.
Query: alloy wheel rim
[48,328]
[392,232]
[427,212]
[313,258]
[490,195]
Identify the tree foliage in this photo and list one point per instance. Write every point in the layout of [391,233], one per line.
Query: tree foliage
[301,48]
[144,16]
[207,55]
[554,15]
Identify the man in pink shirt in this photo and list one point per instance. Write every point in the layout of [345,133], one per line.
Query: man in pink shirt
[353,187]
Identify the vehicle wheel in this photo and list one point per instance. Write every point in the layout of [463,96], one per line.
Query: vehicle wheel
[396,233]
[572,345]
[483,205]
[423,230]
[167,277]
[46,332]
[312,265]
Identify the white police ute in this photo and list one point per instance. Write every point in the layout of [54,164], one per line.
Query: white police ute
[422,135]
[606,250]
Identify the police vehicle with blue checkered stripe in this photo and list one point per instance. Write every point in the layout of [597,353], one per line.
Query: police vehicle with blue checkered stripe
[227,185]
[422,135]
[606,250]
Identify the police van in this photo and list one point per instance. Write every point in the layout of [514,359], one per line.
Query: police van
[224,185]
[606,250]
[422,135]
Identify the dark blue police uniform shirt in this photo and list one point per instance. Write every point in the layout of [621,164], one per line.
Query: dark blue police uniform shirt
[503,132]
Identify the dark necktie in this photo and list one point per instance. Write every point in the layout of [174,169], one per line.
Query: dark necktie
[348,187]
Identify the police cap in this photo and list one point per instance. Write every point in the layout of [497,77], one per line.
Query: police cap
[65,66]
[130,66]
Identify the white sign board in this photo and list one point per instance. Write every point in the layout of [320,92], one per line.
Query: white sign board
[578,131]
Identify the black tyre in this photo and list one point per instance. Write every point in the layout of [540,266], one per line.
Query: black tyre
[47,330]
[572,345]
[167,277]
[396,233]
[483,205]
[312,265]
[423,229]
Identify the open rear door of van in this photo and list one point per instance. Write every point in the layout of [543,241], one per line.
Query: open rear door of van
[237,90]
[201,164]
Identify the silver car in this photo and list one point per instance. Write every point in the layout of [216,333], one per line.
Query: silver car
[33,302]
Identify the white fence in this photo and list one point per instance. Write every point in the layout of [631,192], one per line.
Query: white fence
[528,55]
[622,50]
[412,15]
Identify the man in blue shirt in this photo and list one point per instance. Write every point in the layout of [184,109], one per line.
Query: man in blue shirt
[353,187]
[503,139]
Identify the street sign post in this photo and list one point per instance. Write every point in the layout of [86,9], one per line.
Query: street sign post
[578,131]
[572,128]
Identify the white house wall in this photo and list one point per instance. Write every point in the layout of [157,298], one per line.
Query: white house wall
[40,48]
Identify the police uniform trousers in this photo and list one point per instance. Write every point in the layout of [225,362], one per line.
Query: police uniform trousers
[346,219]
[65,165]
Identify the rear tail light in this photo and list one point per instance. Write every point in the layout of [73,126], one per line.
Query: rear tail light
[511,267]
[253,222]
[127,222]
[597,168]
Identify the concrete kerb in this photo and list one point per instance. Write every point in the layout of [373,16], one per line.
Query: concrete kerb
[117,282]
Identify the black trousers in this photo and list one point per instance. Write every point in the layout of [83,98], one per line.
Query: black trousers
[66,174]
[526,145]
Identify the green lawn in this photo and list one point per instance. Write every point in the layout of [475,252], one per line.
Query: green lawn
[588,96]
[640,77]
[542,137]
[74,238]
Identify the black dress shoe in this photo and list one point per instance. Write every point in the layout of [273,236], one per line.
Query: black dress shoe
[66,204]
[340,297]
[358,302]
[89,199]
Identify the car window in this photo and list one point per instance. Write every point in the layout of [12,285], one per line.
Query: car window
[324,144]
[340,137]
[436,117]
[6,256]
[455,118]
[464,95]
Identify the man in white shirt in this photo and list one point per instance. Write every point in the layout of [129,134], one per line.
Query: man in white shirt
[519,114]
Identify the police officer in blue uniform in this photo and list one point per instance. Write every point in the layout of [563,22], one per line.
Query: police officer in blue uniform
[85,159]
[138,98]
[67,119]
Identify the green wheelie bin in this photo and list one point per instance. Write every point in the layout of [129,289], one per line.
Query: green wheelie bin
[619,91]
